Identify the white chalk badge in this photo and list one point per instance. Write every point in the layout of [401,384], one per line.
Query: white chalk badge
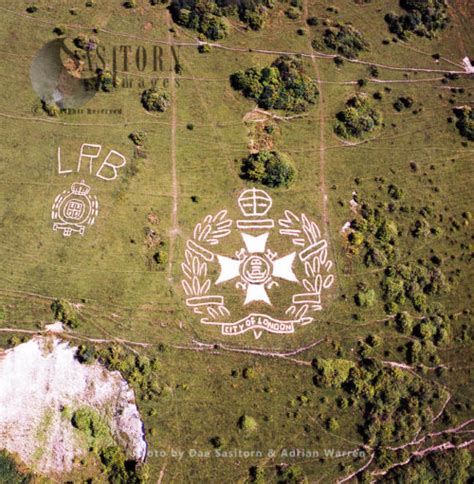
[76,208]
[255,269]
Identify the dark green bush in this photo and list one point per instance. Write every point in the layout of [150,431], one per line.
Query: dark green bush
[283,85]
[423,18]
[138,137]
[9,472]
[64,311]
[345,40]
[106,81]
[365,298]
[358,118]
[154,100]
[465,123]
[208,17]
[270,168]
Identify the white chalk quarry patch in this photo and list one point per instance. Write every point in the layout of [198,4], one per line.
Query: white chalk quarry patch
[41,377]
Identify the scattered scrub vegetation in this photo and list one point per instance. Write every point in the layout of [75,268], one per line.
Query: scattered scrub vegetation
[283,85]
[271,168]
[64,311]
[424,18]
[154,100]
[465,122]
[138,137]
[208,17]
[358,119]
[394,403]
[10,472]
[345,40]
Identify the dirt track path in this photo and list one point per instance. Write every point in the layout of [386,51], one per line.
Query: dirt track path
[322,143]
[174,180]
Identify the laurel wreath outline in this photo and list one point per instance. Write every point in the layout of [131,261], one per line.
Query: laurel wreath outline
[208,232]
[303,232]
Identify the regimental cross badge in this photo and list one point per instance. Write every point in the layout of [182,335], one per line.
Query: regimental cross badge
[74,209]
[255,269]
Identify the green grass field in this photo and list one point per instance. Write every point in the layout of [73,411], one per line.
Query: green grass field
[121,293]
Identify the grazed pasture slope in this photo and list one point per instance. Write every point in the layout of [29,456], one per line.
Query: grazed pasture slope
[383,372]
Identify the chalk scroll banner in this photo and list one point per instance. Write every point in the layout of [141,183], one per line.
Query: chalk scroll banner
[255,269]
[256,322]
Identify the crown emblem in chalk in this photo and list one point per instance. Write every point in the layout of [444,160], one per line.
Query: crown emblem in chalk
[74,209]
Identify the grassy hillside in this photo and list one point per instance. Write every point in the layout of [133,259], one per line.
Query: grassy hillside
[404,186]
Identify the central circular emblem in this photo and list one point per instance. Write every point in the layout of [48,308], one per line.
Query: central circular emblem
[74,209]
[257,268]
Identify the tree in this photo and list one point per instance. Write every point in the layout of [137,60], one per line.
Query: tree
[331,373]
[247,423]
[271,168]
[106,81]
[63,311]
[208,17]
[404,323]
[154,100]
[292,475]
[282,85]
[465,123]
[257,474]
[345,40]
[365,298]
[358,119]
[424,18]
[332,424]
[138,137]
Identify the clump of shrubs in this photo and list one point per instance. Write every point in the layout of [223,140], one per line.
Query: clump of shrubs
[247,423]
[394,403]
[106,81]
[358,118]
[208,17]
[86,42]
[373,235]
[365,297]
[415,283]
[465,122]
[50,108]
[293,12]
[271,168]
[64,311]
[331,373]
[282,85]
[345,40]
[403,102]
[138,137]
[120,469]
[154,100]
[423,18]
[59,30]
[161,256]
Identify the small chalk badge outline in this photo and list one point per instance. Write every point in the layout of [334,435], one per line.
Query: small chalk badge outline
[255,269]
[74,209]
